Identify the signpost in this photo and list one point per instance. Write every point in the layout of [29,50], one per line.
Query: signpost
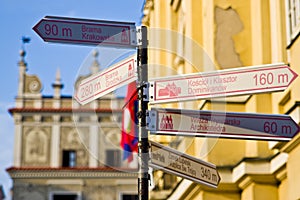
[231,82]
[201,123]
[102,83]
[183,165]
[239,81]
[87,32]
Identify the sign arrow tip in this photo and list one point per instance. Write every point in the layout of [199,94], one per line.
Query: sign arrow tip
[294,75]
[36,29]
[219,178]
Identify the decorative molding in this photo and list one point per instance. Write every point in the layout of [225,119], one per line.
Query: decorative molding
[278,162]
[36,144]
[37,118]
[281,174]
[56,118]
[46,174]
[65,182]
[291,145]
[249,179]
[18,118]
[64,110]
[250,167]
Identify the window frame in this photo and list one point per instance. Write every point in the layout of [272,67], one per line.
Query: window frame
[292,9]
[132,193]
[72,162]
[114,159]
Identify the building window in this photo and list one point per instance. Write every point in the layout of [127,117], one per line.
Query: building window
[60,195]
[113,158]
[130,197]
[65,197]
[69,158]
[293,19]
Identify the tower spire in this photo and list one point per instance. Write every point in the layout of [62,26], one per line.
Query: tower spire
[95,67]
[22,72]
[57,85]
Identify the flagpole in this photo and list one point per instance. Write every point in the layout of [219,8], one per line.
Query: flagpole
[143,184]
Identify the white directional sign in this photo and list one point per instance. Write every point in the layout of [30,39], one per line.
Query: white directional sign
[88,32]
[183,165]
[107,81]
[200,123]
[231,82]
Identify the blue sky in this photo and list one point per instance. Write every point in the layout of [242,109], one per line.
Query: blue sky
[16,20]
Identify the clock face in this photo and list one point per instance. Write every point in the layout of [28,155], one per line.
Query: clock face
[34,86]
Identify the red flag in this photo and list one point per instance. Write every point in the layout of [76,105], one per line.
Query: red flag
[129,140]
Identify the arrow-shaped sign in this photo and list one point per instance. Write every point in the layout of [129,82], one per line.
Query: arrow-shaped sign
[183,165]
[87,32]
[231,82]
[104,82]
[200,123]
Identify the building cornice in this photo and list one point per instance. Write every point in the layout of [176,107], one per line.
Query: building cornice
[62,110]
[46,172]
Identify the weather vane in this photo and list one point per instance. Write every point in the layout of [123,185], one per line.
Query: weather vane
[25,40]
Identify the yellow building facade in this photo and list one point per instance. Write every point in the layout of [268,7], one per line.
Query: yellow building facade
[187,36]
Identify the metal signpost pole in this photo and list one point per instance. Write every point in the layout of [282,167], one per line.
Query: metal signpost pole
[143,180]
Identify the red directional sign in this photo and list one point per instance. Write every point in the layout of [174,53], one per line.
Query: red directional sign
[183,165]
[200,123]
[87,32]
[231,82]
[104,82]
